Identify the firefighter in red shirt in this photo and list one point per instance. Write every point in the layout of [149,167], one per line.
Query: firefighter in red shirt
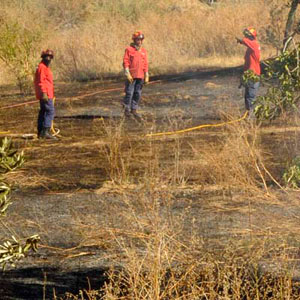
[44,91]
[252,65]
[135,63]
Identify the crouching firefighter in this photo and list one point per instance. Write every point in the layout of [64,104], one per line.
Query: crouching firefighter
[44,91]
[252,70]
[135,63]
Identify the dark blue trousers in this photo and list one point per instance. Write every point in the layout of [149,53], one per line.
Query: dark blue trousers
[133,94]
[251,91]
[46,114]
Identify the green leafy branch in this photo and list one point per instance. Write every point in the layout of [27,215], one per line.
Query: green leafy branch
[291,176]
[11,250]
[10,159]
[14,250]
[282,95]
[249,75]
[4,198]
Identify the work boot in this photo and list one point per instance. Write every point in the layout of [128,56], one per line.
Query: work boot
[136,115]
[46,134]
[127,114]
[251,115]
[41,133]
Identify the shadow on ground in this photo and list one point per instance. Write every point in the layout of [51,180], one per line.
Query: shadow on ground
[45,283]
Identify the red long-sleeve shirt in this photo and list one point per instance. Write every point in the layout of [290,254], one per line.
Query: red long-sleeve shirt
[252,56]
[43,81]
[136,61]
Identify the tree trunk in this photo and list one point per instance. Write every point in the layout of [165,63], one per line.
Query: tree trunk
[290,21]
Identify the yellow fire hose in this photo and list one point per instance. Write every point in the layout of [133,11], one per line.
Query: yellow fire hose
[54,131]
[197,127]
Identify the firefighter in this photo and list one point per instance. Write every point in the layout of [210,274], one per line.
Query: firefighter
[252,69]
[135,63]
[44,90]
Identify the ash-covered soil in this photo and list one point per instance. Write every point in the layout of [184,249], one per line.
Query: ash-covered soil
[62,192]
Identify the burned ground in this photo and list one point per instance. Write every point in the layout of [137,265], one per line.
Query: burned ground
[72,192]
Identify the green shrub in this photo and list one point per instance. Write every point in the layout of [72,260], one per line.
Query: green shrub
[4,198]
[17,45]
[291,176]
[284,74]
[10,159]
[11,250]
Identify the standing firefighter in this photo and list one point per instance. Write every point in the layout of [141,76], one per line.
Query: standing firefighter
[44,91]
[252,70]
[135,63]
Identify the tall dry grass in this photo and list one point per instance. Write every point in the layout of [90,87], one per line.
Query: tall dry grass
[131,159]
[237,162]
[154,237]
[174,39]
[89,37]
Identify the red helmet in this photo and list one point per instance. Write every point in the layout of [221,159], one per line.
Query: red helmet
[138,35]
[47,52]
[250,31]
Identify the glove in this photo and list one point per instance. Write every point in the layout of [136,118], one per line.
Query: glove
[129,78]
[45,97]
[239,41]
[146,78]
[128,75]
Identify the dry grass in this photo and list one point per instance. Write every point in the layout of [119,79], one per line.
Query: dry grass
[195,40]
[236,162]
[173,46]
[162,254]
[153,236]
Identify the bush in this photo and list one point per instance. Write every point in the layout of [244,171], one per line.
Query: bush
[283,95]
[291,176]
[11,250]
[10,159]
[16,51]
